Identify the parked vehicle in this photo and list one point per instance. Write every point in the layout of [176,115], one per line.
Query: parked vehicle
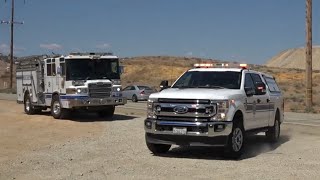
[137,93]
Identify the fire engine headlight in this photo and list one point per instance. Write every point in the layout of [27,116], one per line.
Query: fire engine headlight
[222,110]
[82,91]
[116,89]
[151,114]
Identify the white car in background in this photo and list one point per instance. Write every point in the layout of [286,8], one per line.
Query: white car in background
[137,93]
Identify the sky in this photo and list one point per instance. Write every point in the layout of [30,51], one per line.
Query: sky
[250,31]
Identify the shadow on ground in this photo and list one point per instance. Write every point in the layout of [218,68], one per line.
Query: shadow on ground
[255,146]
[91,117]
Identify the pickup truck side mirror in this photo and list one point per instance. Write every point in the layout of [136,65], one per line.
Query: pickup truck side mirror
[260,88]
[249,91]
[164,85]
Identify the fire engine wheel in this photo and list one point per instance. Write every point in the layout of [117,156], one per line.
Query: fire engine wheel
[236,141]
[56,108]
[28,108]
[273,134]
[107,112]
[134,98]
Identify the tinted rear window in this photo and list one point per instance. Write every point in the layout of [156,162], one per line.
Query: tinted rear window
[144,87]
[272,85]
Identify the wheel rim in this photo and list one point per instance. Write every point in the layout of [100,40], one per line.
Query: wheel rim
[134,98]
[237,139]
[27,104]
[56,107]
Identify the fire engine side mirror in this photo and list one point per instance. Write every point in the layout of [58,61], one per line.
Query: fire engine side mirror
[121,69]
[59,70]
[164,85]
[260,88]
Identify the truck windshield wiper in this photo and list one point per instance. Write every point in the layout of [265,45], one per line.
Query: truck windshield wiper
[212,86]
[182,87]
[104,77]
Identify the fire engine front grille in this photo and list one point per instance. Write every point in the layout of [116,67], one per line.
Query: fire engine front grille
[100,90]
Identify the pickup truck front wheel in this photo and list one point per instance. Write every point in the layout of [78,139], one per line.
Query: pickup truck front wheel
[236,141]
[158,148]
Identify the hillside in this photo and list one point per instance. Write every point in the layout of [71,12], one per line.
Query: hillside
[295,58]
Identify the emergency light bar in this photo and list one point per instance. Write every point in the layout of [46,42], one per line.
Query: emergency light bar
[220,65]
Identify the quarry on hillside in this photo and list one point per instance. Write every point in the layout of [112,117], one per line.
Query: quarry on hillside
[295,58]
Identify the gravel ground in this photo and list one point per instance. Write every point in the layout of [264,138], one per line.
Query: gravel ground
[39,147]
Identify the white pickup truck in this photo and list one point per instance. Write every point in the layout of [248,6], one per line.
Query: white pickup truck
[210,106]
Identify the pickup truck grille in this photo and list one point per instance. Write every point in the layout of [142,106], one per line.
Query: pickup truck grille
[190,110]
[100,90]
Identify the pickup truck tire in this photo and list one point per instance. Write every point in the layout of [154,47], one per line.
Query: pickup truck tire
[273,133]
[28,107]
[158,148]
[56,108]
[236,141]
[107,112]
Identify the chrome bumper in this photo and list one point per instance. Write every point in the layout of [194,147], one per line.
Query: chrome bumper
[209,129]
[95,102]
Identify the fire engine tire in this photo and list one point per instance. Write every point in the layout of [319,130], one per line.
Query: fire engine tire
[28,108]
[273,134]
[158,148]
[56,108]
[107,112]
[134,98]
[236,141]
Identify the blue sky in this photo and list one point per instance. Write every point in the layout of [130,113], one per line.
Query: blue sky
[249,31]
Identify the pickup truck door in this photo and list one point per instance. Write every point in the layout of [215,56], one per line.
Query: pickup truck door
[262,114]
[275,98]
[250,103]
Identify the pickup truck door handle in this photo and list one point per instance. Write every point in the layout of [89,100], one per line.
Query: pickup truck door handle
[268,100]
[258,101]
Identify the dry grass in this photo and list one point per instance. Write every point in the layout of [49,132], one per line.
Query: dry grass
[150,70]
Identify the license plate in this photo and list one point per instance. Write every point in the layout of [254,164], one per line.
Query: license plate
[179,130]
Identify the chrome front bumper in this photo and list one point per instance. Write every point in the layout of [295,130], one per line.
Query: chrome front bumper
[95,102]
[208,129]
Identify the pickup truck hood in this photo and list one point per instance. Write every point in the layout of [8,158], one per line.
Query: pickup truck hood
[198,93]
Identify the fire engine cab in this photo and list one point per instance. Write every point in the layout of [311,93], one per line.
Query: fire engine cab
[87,81]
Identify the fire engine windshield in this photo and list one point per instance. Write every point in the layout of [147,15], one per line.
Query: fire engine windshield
[86,69]
[209,79]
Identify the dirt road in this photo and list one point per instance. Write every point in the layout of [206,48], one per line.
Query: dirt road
[40,147]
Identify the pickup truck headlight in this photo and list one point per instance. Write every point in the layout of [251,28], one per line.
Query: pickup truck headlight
[150,108]
[222,110]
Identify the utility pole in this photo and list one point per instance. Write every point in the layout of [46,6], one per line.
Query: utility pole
[309,54]
[11,42]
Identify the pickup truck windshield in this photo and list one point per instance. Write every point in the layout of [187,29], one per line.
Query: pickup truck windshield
[86,69]
[209,79]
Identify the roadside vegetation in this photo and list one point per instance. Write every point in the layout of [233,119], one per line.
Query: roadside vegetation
[150,70]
